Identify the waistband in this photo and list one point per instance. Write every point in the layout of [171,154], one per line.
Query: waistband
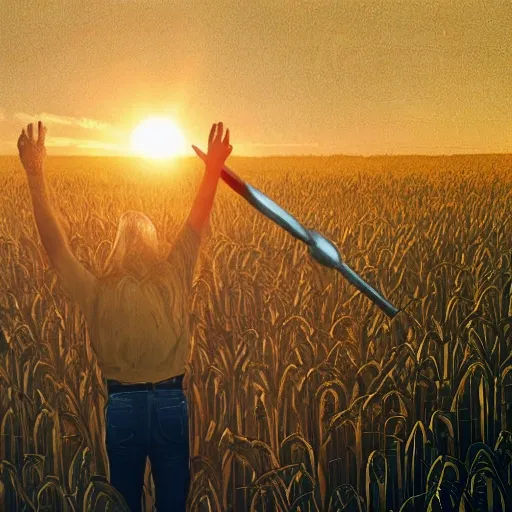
[114,386]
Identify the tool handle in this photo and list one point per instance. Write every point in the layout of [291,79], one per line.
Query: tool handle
[367,290]
[261,202]
[322,249]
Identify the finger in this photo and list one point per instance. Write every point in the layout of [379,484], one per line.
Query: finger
[22,139]
[212,133]
[226,138]
[218,137]
[41,133]
[31,132]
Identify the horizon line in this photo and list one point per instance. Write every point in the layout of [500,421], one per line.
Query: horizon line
[295,155]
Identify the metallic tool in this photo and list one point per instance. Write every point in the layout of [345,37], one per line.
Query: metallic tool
[322,249]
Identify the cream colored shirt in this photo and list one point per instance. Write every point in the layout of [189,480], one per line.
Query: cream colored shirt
[140,331]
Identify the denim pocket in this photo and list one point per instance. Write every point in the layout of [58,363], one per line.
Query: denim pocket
[119,435]
[172,416]
[119,418]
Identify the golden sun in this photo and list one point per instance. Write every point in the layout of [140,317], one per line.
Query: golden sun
[157,137]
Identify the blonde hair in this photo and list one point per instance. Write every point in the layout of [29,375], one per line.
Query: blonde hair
[135,249]
[138,296]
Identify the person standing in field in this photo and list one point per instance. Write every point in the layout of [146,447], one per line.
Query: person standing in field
[138,318]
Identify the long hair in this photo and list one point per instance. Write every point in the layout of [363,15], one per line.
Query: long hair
[135,288]
[136,247]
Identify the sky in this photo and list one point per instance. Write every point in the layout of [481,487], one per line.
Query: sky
[286,76]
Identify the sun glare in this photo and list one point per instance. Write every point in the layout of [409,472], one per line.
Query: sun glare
[157,138]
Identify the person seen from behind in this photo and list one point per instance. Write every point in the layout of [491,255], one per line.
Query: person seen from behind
[137,315]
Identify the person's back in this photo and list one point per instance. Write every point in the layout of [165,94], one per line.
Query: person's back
[138,320]
[139,327]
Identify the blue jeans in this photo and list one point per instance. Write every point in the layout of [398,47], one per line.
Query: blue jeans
[150,424]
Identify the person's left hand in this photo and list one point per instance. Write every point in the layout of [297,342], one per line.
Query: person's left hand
[31,151]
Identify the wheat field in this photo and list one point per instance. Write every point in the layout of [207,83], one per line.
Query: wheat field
[303,396]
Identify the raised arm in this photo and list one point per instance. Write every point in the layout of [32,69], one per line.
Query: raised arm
[218,151]
[77,280]
[183,255]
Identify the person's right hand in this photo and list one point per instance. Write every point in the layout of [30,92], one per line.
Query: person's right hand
[218,148]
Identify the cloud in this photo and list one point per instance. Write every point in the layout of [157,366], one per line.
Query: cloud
[68,142]
[279,145]
[51,119]
[96,144]
[104,137]
[70,145]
